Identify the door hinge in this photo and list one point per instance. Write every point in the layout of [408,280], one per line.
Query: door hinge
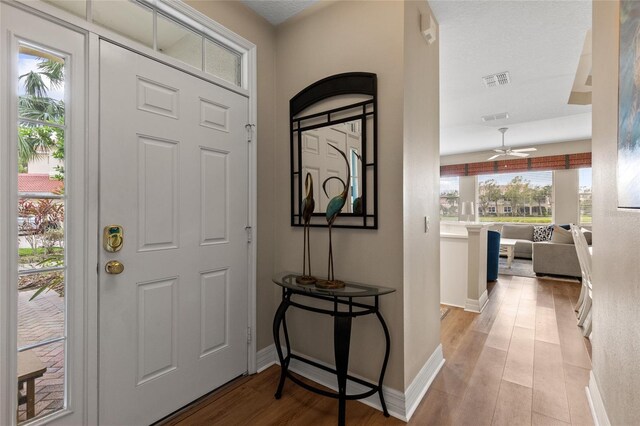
[249,233]
[249,128]
[248,334]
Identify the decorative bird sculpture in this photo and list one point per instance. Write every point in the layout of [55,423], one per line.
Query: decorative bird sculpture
[307,207]
[337,203]
[333,210]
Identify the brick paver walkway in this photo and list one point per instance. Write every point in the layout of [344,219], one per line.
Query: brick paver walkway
[38,320]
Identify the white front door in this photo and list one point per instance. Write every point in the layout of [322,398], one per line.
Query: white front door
[174,176]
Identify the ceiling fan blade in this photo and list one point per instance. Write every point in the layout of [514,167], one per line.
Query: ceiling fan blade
[524,149]
[494,157]
[518,154]
[501,151]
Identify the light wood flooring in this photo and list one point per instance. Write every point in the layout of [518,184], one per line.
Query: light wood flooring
[522,361]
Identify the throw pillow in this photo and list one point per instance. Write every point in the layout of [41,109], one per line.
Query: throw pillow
[549,232]
[541,233]
[561,236]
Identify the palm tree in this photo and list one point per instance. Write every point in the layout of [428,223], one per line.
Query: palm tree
[36,104]
[35,140]
[34,83]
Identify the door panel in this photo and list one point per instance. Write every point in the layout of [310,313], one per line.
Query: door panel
[157,178]
[173,174]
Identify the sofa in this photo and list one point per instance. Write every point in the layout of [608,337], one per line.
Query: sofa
[549,258]
[524,235]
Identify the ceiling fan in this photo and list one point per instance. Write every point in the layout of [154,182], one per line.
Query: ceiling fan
[506,151]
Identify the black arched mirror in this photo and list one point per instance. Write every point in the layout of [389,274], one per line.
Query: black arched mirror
[334,116]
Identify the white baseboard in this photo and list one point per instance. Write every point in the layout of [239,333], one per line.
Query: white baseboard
[477,306]
[265,358]
[400,405]
[596,404]
[451,304]
[421,383]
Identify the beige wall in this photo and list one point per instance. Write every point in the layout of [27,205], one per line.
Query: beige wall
[243,21]
[468,190]
[323,41]
[616,241]
[421,194]
[573,147]
[566,200]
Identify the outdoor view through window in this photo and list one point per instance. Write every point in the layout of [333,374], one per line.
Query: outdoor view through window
[41,233]
[585,196]
[515,197]
[449,198]
[507,197]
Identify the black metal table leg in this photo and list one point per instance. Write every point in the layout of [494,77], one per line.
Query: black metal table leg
[384,363]
[284,363]
[341,337]
[341,342]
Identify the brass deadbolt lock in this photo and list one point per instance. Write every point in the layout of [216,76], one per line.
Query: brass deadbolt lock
[112,238]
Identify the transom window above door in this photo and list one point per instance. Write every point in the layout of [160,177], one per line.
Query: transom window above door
[159,26]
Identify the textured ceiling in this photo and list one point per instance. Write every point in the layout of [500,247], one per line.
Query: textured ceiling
[539,43]
[278,11]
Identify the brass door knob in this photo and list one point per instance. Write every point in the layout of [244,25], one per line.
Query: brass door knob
[114,267]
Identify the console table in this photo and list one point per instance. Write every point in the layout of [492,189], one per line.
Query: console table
[340,298]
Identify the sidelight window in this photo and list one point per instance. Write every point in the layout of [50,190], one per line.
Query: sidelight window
[41,245]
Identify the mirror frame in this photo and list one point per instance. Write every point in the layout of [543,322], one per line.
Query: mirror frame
[353,83]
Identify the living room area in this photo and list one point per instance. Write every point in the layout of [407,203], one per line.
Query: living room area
[516,137]
[515,192]
[525,208]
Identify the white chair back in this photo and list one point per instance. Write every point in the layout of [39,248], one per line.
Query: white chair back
[585,300]
[582,250]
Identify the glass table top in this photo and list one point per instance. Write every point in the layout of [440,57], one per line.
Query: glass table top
[351,289]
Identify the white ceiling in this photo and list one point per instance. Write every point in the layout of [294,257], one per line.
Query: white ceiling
[539,43]
[278,11]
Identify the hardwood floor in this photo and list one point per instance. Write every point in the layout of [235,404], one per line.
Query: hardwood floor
[523,361]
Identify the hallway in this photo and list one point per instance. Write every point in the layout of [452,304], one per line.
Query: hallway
[522,361]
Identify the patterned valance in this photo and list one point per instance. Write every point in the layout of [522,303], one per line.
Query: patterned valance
[551,162]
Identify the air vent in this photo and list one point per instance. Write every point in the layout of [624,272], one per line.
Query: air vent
[499,79]
[493,117]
